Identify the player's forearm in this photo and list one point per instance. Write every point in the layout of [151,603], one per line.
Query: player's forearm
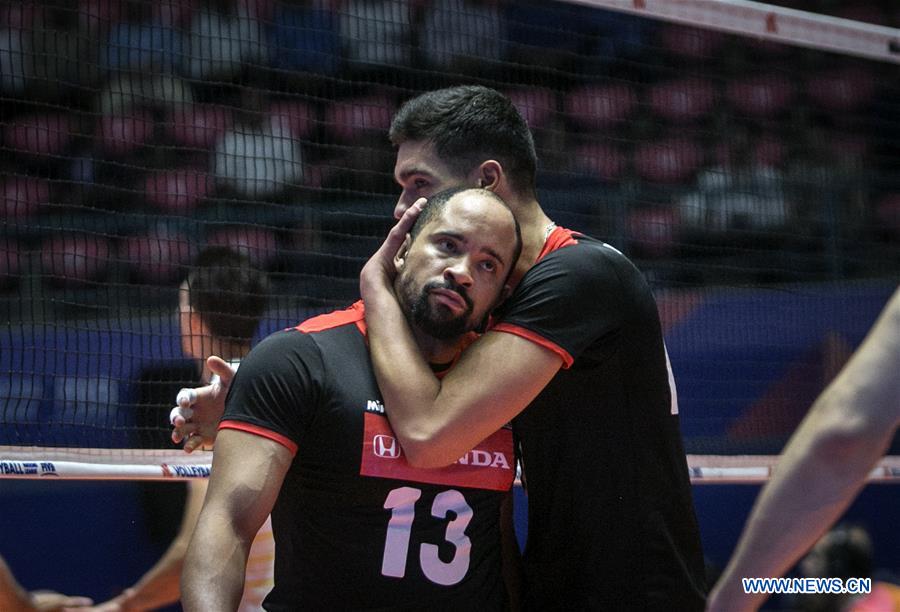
[12,595]
[160,586]
[408,386]
[823,467]
[813,485]
[213,575]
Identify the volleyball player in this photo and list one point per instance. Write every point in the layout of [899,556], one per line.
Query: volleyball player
[823,467]
[304,436]
[579,343]
[220,305]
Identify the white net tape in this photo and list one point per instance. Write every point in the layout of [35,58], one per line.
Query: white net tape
[24,462]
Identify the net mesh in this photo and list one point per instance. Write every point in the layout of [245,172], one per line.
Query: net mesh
[753,181]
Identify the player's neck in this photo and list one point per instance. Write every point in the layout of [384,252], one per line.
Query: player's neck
[435,350]
[535,226]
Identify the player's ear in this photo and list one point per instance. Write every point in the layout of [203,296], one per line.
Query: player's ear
[400,257]
[488,174]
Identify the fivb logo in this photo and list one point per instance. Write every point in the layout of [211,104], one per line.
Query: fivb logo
[386,447]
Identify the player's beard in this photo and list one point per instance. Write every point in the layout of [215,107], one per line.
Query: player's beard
[437,321]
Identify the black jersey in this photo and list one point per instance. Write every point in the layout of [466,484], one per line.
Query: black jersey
[355,526]
[611,524]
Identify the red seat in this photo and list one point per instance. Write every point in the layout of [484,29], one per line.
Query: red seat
[96,16]
[75,259]
[682,100]
[177,191]
[761,95]
[23,196]
[10,261]
[296,118]
[259,244]
[124,133]
[20,15]
[653,231]
[350,120]
[770,150]
[537,105]
[198,126]
[159,256]
[691,43]
[670,160]
[174,13]
[605,162]
[39,135]
[595,107]
[843,88]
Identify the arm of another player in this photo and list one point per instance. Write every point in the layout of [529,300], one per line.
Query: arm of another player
[823,466]
[159,586]
[13,596]
[247,474]
[439,421]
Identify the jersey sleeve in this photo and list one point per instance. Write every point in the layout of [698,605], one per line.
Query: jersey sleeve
[275,393]
[567,300]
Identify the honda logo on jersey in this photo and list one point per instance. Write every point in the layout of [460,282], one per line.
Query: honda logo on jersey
[386,446]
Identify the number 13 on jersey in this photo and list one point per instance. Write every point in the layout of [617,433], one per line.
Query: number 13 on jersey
[402,504]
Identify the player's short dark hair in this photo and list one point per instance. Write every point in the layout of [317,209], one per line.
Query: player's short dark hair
[467,125]
[228,293]
[438,202]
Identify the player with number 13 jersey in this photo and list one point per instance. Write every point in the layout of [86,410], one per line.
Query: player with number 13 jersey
[356,527]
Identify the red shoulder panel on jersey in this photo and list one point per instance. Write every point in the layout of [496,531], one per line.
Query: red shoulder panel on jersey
[354,314]
[261,431]
[558,238]
[490,465]
[509,328]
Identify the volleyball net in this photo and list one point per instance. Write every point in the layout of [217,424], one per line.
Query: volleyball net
[744,155]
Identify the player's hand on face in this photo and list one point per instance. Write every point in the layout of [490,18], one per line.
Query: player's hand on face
[379,271]
[196,415]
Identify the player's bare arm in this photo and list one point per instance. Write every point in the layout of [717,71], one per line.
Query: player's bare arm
[247,474]
[439,421]
[823,466]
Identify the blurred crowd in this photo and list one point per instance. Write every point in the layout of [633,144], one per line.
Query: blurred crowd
[135,132]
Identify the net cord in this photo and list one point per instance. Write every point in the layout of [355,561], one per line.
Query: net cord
[784,25]
[23,462]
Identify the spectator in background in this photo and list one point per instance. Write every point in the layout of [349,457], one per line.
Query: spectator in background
[258,158]
[376,33]
[304,37]
[740,193]
[141,43]
[224,36]
[59,50]
[462,34]
[15,60]
[220,306]
[844,552]
[14,597]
